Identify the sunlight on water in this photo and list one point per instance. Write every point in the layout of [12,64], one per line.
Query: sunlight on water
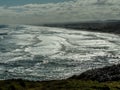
[43,53]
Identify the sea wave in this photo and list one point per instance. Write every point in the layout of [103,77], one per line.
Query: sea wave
[44,53]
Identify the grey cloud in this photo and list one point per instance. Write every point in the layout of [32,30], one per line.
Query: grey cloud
[101,2]
[72,11]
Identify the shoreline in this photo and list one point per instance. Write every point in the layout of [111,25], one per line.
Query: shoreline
[107,26]
[89,80]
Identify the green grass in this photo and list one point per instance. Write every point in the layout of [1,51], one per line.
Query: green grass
[69,84]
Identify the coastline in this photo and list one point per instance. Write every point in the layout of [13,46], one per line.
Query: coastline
[106,78]
[83,81]
[107,26]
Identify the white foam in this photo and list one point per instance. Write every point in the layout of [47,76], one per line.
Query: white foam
[61,52]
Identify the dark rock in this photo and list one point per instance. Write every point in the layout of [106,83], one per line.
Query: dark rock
[108,73]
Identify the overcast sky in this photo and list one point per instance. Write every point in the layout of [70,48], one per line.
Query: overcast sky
[51,11]
[23,2]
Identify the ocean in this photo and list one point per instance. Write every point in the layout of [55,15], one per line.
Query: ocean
[46,53]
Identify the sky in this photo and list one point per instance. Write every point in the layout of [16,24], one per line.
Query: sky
[57,11]
[23,2]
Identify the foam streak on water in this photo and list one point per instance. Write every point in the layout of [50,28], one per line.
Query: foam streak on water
[43,53]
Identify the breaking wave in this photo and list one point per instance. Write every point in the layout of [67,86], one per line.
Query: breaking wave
[44,53]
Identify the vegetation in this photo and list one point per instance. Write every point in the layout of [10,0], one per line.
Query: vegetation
[69,84]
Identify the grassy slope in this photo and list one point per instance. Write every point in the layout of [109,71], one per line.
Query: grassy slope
[70,84]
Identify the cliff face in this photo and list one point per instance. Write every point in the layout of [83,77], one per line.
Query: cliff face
[108,73]
[100,26]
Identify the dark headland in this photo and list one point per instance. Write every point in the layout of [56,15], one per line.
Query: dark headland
[109,26]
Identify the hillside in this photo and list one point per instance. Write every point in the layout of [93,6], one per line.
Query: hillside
[108,73]
[58,85]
